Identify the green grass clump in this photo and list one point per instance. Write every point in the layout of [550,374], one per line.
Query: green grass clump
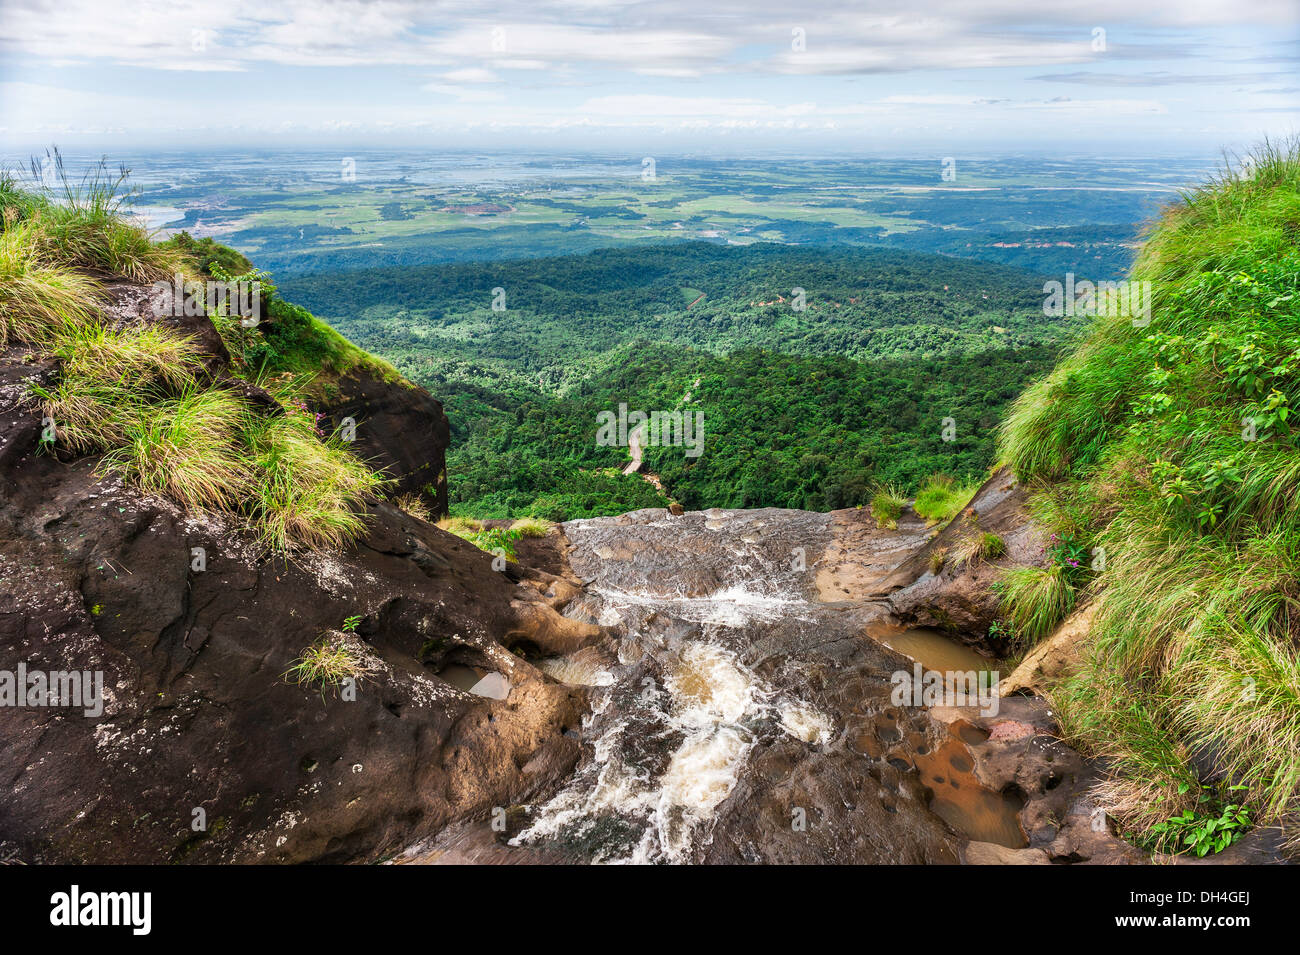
[305,488]
[1171,449]
[978,546]
[111,379]
[532,526]
[327,663]
[37,299]
[139,356]
[940,498]
[1036,599]
[82,225]
[137,394]
[186,448]
[887,507]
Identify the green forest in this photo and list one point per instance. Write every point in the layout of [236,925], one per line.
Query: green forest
[810,399]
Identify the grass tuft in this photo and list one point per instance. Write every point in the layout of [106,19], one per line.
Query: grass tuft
[975,547]
[328,662]
[186,449]
[887,506]
[36,299]
[941,498]
[305,488]
[532,526]
[1035,600]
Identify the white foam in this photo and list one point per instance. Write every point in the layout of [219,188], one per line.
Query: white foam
[805,723]
[712,700]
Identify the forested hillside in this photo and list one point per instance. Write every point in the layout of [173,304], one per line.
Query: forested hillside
[811,399]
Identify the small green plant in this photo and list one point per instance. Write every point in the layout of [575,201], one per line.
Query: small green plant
[350,624]
[327,663]
[1001,630]
[887,506]
[1067,553]
[992,546]
[494,539]
[937,558]
[1209,830]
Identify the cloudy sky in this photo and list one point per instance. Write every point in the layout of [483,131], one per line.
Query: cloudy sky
[1098,77]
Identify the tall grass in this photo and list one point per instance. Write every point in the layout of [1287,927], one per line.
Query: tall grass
[305,488]
[1174,448]
[887,507]
[80,223]
[186,449]
[133,392]
[37,299]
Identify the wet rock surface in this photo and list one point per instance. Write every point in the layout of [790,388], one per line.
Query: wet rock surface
[747,711]
[749,714]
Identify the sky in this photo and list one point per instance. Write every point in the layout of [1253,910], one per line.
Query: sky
[901,77]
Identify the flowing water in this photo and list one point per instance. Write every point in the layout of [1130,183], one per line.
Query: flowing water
[737,703]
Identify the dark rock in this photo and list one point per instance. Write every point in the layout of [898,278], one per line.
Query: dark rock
[400,430]
[200,720]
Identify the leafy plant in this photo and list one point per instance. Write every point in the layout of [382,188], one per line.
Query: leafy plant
[1207,829]
[1069,555]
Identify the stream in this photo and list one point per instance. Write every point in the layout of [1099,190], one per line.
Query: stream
[746,714]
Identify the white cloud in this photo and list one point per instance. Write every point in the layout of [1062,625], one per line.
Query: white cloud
[471,75]
[625,64]
[673,38]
